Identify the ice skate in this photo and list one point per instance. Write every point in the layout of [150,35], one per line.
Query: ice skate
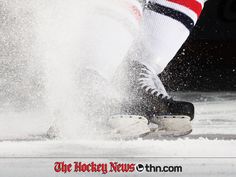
[146,96]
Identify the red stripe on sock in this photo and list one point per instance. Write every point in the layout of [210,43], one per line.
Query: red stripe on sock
[191,4]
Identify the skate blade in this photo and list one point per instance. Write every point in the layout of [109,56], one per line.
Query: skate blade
[155,119]
[159,135]
[174,126]
[128,126]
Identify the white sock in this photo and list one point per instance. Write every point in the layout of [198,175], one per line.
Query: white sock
[166,26]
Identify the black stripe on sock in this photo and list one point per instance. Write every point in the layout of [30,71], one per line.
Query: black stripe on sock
[177,15]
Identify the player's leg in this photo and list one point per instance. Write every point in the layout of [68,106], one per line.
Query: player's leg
[166,26]
[109,28]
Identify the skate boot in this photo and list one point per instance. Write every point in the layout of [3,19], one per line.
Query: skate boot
[145,95]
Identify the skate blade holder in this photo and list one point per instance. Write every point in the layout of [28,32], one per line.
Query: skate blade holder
[129,126]
[176,124]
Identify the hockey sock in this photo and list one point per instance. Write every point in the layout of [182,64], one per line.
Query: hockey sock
[166,26]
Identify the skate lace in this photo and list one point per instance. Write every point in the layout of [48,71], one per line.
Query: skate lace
[152,84]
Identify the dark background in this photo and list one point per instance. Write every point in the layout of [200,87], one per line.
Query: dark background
[207,61]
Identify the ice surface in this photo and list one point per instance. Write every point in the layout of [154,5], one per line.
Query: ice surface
[211,145]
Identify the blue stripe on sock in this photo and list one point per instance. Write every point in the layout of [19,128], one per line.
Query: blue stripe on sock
[172,13]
